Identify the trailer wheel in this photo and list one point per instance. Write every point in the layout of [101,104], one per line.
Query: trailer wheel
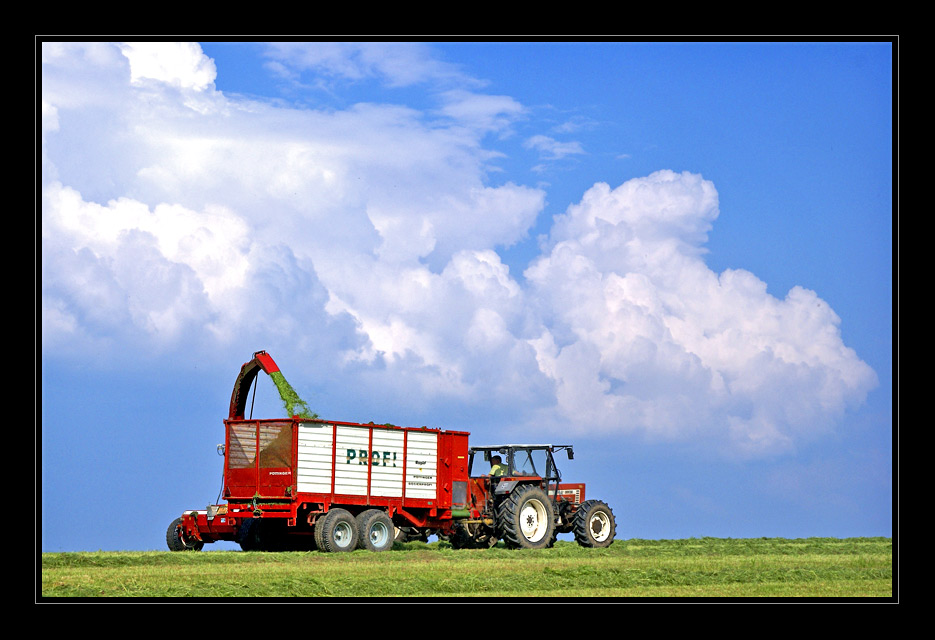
[178,541]
[375,530]
[525,519]
[248,535]
[337,531]
[594,524]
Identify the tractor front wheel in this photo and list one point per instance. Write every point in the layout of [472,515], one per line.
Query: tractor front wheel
[525,519]
[594,524]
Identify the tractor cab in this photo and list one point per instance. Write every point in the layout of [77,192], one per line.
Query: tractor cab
[520,460]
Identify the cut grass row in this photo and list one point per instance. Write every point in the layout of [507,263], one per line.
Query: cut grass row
[705,567]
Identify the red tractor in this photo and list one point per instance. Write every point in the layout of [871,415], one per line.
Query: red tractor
[525,504]
[304,483]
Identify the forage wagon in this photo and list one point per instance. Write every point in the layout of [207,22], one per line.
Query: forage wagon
[304,483]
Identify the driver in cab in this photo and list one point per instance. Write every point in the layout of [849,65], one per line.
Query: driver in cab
[497,468]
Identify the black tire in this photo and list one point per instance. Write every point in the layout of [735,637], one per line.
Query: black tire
[248,535]
[525,519]
[336,531]
[375,530]
[178,541]
[594,524]
[316,533]
[554,539]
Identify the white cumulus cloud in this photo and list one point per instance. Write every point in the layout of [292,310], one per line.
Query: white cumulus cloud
[180,64]
[640,335]
[364,240]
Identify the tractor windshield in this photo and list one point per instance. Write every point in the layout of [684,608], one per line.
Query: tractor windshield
[532,462]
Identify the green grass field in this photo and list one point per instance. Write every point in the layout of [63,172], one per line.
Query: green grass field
[696,567]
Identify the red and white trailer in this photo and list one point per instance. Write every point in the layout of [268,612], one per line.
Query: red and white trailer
[301,483]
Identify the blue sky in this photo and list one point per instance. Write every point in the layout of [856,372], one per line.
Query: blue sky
[676,256]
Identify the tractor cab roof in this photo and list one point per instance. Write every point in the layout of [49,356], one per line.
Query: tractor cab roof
[521,446]
[526,447]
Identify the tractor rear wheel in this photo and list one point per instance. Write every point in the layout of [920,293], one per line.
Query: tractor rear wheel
[178,541]
[594,524]
[375,530]
[336,531]
[525,519]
